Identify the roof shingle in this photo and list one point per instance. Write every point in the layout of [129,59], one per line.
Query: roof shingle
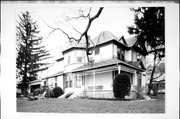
[113,61]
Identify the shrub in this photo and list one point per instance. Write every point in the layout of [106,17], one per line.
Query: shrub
[57,92]
[49,94]
[121,85]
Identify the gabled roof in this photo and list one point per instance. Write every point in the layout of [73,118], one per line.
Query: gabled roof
[35,81]
[103,37]
[131,40]
[122,40]
[106,37]
[107,63]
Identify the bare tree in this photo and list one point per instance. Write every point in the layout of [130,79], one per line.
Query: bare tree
[84,34]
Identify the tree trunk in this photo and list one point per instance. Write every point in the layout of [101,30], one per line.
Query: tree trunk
[24,90]
[150,85]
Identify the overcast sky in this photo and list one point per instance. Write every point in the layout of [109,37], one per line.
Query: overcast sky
[113,19]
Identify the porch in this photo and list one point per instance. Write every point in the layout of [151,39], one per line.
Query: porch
[97,82]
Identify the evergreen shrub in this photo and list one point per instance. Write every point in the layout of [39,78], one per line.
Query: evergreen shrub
[121,85]
[57,92]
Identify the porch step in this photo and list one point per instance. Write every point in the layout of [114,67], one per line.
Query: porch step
[66,95]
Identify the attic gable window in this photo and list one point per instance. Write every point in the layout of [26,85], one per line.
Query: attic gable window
[97,50]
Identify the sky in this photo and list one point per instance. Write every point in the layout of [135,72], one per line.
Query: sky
[113,19]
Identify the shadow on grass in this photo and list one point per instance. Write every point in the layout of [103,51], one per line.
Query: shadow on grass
[158,97]
[113,99]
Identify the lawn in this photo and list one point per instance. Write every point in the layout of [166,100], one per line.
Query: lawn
[91,106]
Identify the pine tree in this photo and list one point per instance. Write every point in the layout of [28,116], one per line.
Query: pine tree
[30,53]
[149,25]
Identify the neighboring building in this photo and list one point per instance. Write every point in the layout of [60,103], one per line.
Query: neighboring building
[51,76]
[111,56]
[159,78]
[37,83]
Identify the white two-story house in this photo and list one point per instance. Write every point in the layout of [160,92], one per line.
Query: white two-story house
[111,56]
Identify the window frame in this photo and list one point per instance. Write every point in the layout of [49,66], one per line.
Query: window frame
[69,59]
[97,51]
[120,53]
[139,56]
[79,59]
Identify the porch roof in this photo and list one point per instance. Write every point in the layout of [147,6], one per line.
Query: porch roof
[35,81]
[54,75]
[106,64]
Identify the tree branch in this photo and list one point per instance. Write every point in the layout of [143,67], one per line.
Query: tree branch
[54,29]
[158,76]
[83,34]
[74,28]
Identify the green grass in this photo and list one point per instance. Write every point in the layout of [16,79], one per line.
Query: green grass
[91,106]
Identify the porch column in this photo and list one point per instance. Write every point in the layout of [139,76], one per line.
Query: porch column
[73,81]
[29,90]
[119,69]
[135,78]
[143,79]
[94,83]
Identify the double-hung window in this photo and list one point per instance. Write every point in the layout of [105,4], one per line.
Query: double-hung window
[120,54]
[79,59]
[69,59]
[97,50]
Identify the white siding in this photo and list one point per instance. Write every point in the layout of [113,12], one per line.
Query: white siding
[114,50]
[73,56]
[60,66]
[60,81]
[66,57]
[73,60]
[128,55]
[106,52]
[134,56]
[42,74]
